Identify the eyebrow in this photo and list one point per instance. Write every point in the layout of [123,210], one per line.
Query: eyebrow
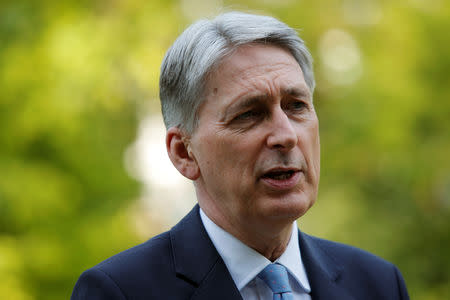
[245,102]
[300,92]
[254,99]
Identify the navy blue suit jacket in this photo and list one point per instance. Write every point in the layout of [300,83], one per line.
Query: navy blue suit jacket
[184,264]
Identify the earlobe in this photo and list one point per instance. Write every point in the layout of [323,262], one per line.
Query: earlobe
[177,145]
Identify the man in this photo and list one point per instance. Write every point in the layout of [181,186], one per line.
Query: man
[236,96]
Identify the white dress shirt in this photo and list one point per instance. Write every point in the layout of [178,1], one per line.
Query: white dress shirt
[244,263]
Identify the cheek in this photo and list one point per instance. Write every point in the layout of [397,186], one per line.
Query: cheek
[316,153]
[218,155]
[310,143]
[238,159]
[315,142]
[239,147]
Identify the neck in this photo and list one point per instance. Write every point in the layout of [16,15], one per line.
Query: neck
[270,239]
[271,246]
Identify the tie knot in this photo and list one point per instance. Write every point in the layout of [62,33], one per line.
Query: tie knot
[276,277]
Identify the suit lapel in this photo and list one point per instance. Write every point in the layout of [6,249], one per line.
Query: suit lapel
[197,261]
[322,270]
[217,285]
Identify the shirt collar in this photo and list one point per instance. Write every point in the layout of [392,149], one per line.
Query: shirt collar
[244,263]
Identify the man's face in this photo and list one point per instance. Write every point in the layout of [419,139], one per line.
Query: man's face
[257,141]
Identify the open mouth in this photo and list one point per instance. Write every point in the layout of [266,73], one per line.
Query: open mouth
[279,175]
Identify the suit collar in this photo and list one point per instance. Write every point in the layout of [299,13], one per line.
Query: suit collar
[323,270]
[197,261]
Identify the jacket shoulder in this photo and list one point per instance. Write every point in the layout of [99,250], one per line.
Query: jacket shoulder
[357,270]
[136,273]
[349,256]
[141,258]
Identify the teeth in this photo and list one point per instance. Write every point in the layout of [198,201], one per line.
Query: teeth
[282,176]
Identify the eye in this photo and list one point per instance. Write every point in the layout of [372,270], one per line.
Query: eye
[297,106]
[247,115]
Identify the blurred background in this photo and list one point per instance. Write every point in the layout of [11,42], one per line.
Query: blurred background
[83,168]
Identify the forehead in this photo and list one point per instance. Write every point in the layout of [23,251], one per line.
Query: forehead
[256,68]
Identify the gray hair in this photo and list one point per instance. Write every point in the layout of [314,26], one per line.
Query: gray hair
[202,46]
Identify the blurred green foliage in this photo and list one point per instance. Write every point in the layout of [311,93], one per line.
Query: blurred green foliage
[76,77]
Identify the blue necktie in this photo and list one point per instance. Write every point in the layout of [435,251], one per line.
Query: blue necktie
[276,277]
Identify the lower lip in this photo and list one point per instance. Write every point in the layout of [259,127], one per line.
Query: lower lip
[283,184]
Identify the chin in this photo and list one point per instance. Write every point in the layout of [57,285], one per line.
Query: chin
[290,208]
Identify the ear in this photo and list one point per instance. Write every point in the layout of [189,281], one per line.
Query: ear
[177,145]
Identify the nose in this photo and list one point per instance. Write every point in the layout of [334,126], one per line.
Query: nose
[282,132]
